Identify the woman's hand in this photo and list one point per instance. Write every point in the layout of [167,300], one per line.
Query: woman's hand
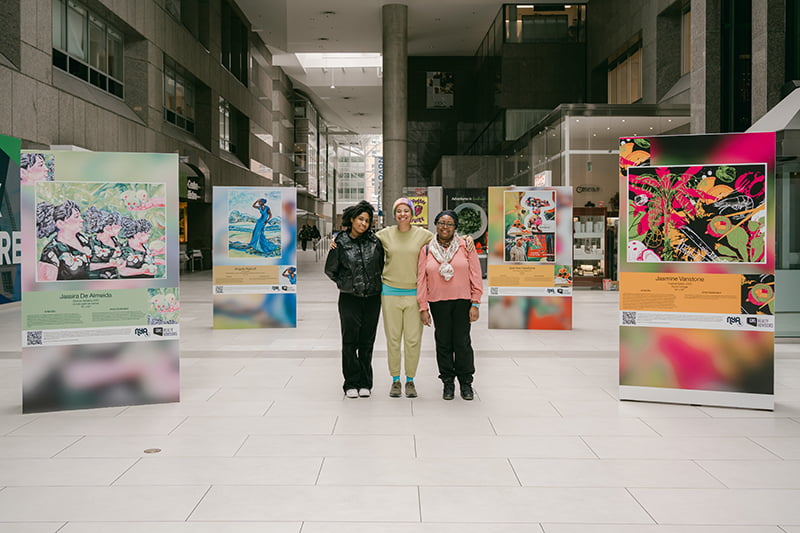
[333,244]
[474,313]
[425,316]
[469,243]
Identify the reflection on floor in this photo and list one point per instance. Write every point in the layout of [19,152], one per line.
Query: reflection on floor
[263,440]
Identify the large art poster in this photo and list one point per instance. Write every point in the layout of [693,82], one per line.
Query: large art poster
[530,258]
[697,257]
[530,226]
[255,257]
[101,304]
[10,236]
[439,90]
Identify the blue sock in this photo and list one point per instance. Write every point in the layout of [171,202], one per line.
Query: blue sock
[395,378]
[409,380]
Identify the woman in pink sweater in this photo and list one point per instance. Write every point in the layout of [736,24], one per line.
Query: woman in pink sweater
[449,288]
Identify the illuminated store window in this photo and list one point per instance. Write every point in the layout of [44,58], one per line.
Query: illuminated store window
[625,77]
[87,46]
[179,96]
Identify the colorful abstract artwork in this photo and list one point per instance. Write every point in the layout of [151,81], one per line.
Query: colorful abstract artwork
[703,213]
[696,359]
[530,226]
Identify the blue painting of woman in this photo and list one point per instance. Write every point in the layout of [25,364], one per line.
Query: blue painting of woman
[258,241]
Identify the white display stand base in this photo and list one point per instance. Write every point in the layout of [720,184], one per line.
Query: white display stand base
[698,397]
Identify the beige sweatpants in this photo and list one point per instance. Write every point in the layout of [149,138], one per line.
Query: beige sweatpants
[401,321]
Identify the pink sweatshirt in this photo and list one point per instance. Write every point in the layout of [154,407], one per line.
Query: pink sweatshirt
[466,283]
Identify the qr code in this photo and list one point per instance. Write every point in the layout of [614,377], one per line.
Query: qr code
[34,338]
[629,318]
[217,289]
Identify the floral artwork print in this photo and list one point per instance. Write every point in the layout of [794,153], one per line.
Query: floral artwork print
[709,213]
[758,294]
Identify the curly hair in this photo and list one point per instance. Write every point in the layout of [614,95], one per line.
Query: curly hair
[95,220]
[26,161]
[131,227]
[354,210]
[47,215]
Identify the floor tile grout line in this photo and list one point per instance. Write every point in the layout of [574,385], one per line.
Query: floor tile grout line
[194,509]
[68,446]
[171,432]
[219,389]
[701,467]
[33,419]
[419,502]
[654,430]
[751,439]
[246,438]
[514,471]
[555,408]
[583,440]
[113,483]
[319,471]
[269,408]
[491,424]
[628,490]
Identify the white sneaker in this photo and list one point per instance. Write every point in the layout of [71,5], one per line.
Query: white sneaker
[364,393]
[351,393]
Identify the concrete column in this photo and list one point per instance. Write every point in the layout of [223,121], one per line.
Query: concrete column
[706,41]
[769,55]
[395,103]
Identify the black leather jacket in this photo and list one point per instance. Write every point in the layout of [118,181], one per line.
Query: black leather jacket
[356,264]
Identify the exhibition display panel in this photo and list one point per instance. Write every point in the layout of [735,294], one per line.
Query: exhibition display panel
[530,258]
[255,257]
[100,302]
[697,261]
[10,236]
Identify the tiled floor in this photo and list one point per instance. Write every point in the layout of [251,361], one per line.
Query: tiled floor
[263,441]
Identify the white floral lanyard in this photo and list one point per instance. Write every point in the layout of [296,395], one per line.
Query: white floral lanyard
[444,256]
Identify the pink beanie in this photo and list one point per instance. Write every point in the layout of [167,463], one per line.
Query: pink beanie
[401,201]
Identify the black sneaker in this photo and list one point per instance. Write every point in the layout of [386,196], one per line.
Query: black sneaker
[466,392]
[449,391]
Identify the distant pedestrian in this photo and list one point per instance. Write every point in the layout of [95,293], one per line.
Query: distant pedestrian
[304,235]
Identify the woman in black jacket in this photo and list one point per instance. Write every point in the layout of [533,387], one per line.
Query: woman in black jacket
[356,265]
